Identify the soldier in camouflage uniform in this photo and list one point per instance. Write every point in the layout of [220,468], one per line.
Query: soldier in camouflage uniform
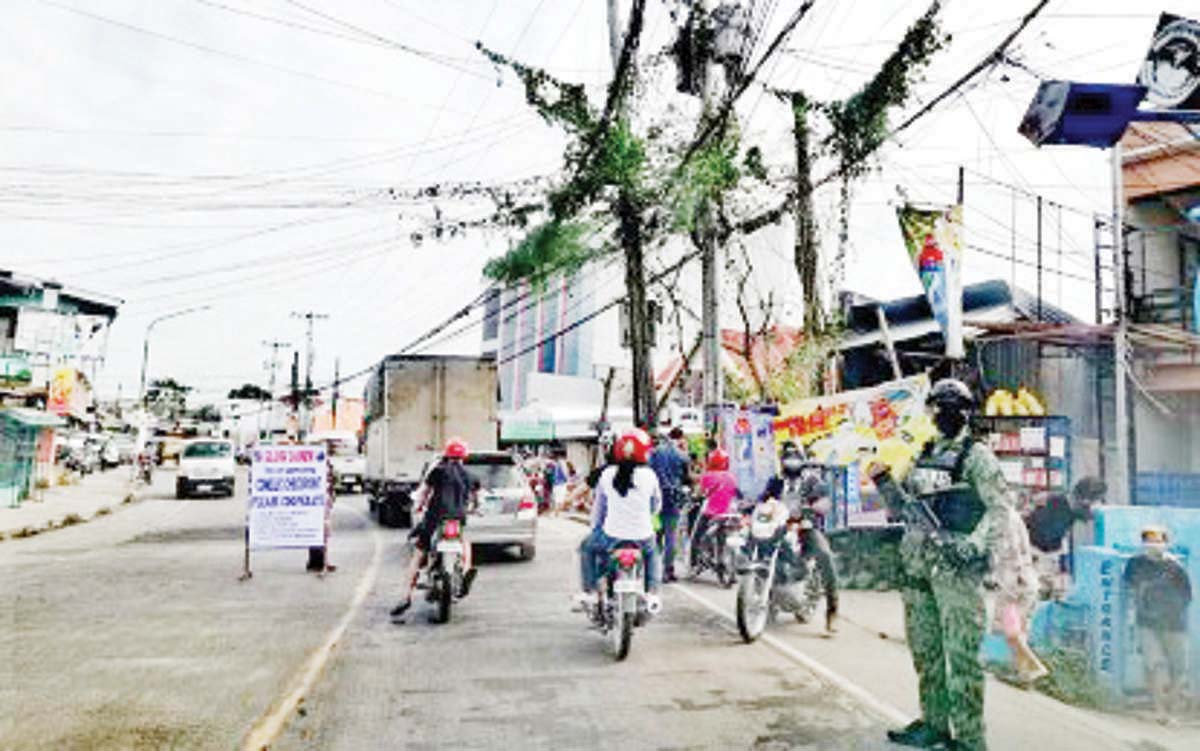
[952,504]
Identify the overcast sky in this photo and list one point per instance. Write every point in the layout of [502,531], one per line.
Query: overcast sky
[237,153]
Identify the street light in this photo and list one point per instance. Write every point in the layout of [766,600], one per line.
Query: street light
[146,345]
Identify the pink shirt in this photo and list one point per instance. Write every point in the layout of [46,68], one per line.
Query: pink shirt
[720,488]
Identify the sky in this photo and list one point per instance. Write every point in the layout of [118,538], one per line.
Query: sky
[259,157]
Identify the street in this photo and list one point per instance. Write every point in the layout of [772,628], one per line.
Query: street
[133,632]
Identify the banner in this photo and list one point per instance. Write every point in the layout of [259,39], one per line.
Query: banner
[746,437]
[287,497]
[1171,71]
[934,242]
[887,423]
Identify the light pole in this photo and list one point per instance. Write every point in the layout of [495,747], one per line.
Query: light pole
[146,345]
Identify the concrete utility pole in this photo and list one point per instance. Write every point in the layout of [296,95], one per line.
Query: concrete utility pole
[1120,473]
[306,407]
[710,309]
[337,365]
[272,364]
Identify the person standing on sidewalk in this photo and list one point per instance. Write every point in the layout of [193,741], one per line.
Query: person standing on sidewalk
[1162,593]
[953,504]
[1013,582]
[670,465]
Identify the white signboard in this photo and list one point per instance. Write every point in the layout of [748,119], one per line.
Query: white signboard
[287,497]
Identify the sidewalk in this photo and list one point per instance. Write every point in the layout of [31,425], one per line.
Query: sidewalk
[94,492]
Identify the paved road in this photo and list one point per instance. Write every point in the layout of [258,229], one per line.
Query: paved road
[132,632]
[516,669]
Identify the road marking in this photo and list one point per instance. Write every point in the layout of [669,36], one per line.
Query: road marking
[880,708]
[268,727]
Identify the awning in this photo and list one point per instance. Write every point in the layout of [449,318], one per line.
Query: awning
[33,418]
[539,422]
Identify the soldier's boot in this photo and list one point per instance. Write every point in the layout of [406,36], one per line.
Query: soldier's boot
[918,734]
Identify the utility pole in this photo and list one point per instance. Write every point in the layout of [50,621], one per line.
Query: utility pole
[306,410]
[710,310]
[292,420]
[1120,472]
[337,364]
[271,365]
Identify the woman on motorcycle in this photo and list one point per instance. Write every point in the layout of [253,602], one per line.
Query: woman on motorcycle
[627,499]
[719,487]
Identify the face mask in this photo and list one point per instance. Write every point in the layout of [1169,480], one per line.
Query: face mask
[949,422]
[792,465]
[1155,549]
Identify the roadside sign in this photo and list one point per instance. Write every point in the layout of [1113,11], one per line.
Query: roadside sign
[287,497]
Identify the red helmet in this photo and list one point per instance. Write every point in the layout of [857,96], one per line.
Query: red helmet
[456,448]
[718,460]
[633,446]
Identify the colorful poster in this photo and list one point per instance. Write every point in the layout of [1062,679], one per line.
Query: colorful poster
[748,438]
[61,398]
[887,423]
[287,497]
[1171,71]
[934,242]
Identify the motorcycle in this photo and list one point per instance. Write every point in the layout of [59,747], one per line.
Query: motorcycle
[622,604]
[766,585]
[443,576]
[718,549]
[145,468]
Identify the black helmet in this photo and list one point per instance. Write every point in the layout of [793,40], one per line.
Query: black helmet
[791,448]
[951,392]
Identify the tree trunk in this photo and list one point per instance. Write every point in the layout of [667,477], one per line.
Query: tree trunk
[805,256]
[644,408]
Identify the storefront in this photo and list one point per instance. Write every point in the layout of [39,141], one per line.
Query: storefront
[26,452]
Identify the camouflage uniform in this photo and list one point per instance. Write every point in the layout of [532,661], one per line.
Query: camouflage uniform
[944,612]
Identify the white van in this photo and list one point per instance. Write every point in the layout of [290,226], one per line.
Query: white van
[206,465]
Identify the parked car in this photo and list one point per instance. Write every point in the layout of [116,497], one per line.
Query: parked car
[110,454]
[503,509]
[206,465]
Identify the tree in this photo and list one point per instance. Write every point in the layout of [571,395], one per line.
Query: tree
[250,391]
[207,413]
[167,398]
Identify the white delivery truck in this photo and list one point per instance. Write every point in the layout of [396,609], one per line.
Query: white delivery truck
[414,403]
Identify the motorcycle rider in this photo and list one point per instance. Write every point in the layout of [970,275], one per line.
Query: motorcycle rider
[720,490]
[445,494]
[953,503]
[802,489]
[627,499]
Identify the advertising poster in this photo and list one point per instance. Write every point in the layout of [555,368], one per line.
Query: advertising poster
[747,436]
[287,497]
[1171,71]
[934,241]
[886,423]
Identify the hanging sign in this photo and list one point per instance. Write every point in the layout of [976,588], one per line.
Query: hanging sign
[934,242]
[1171,71]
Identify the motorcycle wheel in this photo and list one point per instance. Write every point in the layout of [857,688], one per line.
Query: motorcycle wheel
[814,590]
[726,575]
[443,598]
[753,608]
[622,634]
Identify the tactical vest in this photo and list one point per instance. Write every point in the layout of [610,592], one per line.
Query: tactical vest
[937,479]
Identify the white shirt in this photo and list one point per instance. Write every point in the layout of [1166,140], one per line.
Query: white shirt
[628,517]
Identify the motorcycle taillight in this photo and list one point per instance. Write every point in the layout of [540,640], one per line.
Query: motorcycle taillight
[628,557]
[451,529]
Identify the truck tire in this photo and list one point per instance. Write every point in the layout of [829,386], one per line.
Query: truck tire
[385,514]
[528,552]
[404,519]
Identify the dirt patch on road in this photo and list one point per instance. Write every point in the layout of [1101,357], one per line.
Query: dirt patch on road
[191,534]
[116,728]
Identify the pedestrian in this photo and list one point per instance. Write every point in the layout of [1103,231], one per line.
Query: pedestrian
[318,557]
[953,505]
[670,465]
[1013,582]
[1161,593]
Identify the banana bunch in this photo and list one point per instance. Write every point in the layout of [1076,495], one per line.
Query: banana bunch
[1024,403]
